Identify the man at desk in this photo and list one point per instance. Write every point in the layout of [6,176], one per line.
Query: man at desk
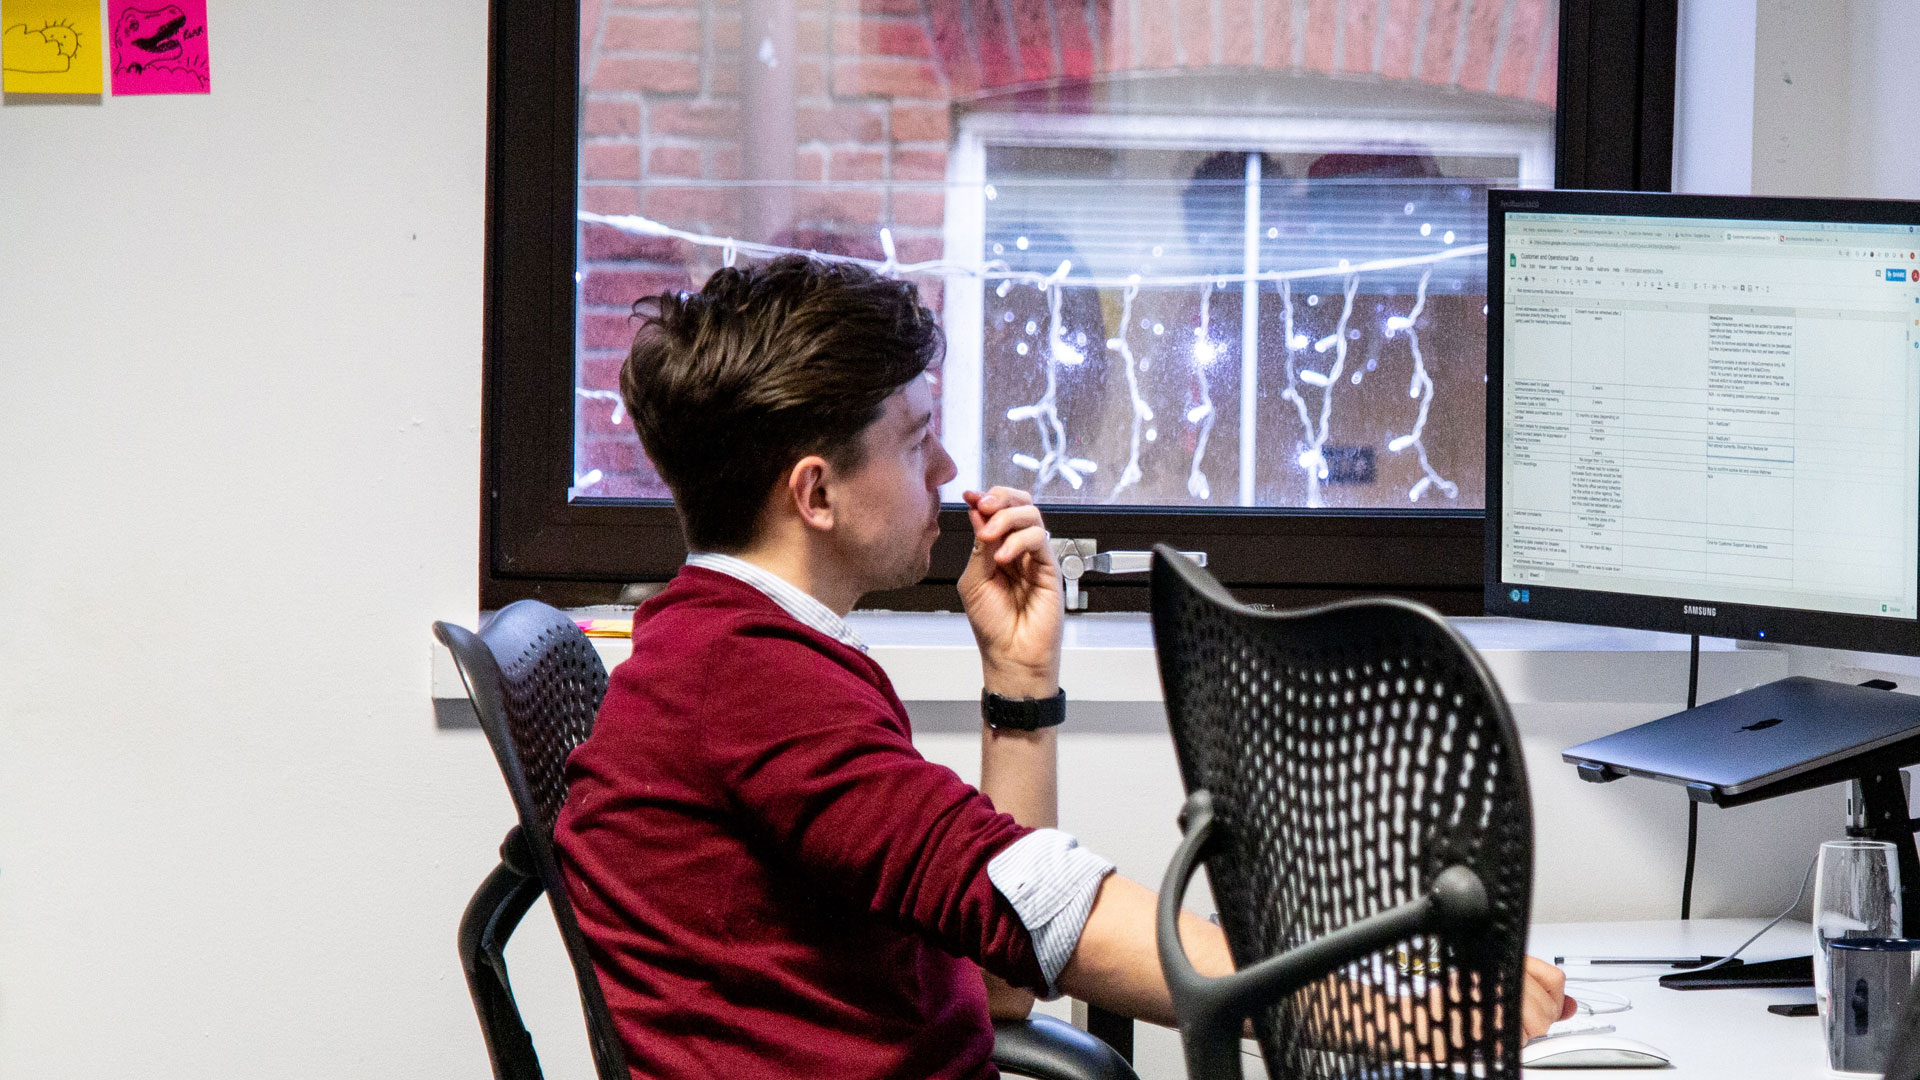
[773,881]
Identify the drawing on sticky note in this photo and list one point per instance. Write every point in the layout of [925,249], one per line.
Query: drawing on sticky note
[48,49]
[51,46]
[150,36]
[160,50]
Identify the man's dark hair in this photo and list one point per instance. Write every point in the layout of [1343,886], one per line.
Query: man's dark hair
[731,385]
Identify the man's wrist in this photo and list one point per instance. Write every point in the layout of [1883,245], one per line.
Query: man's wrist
[1022,685]
[1016,682]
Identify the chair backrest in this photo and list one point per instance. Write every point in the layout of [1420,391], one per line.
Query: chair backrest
[1353,752]
[536,684]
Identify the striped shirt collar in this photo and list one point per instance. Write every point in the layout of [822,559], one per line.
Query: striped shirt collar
[793,600]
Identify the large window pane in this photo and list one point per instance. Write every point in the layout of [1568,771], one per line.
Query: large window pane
[1269,216]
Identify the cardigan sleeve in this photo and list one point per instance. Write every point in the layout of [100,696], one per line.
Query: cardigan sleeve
[814,759]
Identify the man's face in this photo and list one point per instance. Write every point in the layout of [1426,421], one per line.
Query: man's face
[887,511]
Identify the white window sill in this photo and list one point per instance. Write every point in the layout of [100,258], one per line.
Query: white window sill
[1109,659]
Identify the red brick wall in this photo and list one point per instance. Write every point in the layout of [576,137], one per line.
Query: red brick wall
[877,81]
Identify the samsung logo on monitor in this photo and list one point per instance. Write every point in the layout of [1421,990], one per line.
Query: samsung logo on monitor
[1697,609]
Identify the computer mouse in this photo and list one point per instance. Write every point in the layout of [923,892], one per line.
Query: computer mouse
[1594,1051]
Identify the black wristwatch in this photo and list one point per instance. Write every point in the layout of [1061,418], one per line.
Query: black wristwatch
[1023,714]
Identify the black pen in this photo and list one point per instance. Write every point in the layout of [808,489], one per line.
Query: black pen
[1641,961]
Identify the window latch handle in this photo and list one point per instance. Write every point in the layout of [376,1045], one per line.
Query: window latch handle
[1079,557]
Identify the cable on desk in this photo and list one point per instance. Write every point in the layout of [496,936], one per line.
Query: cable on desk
[1805,880]
[1693,808]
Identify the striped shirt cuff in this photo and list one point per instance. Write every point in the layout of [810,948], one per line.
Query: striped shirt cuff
[1050,881]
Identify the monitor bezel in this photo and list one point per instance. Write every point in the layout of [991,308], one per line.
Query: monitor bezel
[1638,611]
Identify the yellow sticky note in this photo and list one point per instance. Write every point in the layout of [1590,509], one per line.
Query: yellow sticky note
[51,46]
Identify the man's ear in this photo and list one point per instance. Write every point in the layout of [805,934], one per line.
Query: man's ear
[808,492]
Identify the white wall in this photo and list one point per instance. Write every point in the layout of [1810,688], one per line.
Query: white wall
[1713,90]
[1833,98]
[1797,97]
[239,406]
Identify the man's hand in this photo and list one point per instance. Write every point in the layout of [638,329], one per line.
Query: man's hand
[1544,1000]
[1011,592]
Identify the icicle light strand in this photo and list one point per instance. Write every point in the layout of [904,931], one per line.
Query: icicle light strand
[997,270]
[1420,387]
[1054,459]
[1202,414]
[1142,412]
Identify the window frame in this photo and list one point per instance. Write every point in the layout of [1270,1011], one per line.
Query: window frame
[977,132]
[1614,128]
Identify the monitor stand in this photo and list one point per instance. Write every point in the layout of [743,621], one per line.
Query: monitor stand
[1883,802]
[1884,798]
[1884,816]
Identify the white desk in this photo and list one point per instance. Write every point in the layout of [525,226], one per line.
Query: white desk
[1705,1033]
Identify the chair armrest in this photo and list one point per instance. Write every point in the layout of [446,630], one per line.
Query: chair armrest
[491,916]
[1048,1049]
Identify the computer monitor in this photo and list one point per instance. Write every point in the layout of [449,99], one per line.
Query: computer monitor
[1703,415]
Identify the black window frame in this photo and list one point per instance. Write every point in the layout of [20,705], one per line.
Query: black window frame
[1614,129]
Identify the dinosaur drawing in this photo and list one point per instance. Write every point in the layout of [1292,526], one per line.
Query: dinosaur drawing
[159,40]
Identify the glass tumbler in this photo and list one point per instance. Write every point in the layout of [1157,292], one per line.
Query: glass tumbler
[1856,894]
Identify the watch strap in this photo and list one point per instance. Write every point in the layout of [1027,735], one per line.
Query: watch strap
[1023,714]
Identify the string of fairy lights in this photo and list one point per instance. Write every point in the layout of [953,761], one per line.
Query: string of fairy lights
[1314,369]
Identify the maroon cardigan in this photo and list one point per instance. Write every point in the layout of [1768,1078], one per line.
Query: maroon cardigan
[773,882]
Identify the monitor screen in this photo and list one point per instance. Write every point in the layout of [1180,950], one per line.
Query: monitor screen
[1704,415]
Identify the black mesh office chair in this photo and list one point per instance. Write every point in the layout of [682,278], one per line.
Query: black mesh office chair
[1357,793]
[536,684]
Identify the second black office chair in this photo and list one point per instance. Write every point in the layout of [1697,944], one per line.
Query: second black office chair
[1356,791]
[536,683]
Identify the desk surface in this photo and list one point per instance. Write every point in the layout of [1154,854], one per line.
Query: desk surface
[1705,1033]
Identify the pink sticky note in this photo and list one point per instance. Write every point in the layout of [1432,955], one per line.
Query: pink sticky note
[159,47]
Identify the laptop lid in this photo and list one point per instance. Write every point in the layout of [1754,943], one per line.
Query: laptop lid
[1759,736]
